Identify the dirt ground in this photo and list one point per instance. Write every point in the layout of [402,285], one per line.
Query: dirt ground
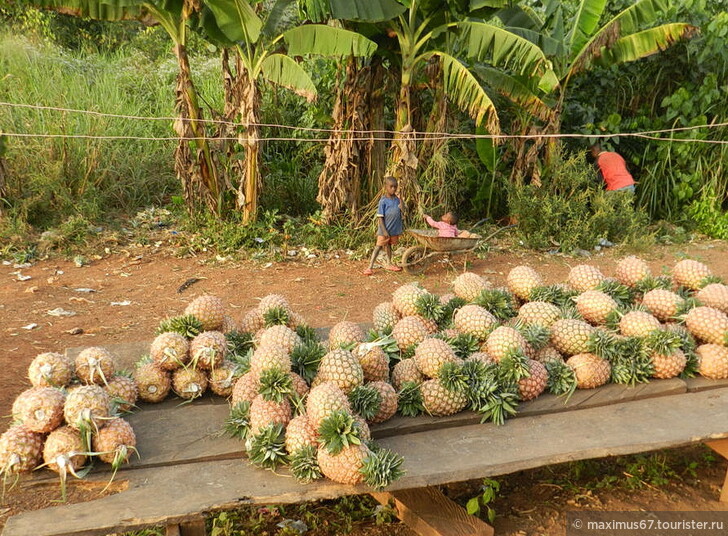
[134,289]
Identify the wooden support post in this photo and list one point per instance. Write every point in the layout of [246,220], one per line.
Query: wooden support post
[721,447]
[429,513]
[195,527]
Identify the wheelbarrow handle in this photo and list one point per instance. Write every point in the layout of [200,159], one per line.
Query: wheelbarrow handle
[491,235]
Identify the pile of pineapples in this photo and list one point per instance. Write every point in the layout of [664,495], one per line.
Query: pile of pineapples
[70,416]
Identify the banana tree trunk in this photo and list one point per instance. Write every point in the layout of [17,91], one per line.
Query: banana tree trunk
[249,138]
[432,154]
[403,156]
[376,150]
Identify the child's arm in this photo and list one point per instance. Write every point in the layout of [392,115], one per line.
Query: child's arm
[381,229]
[433,223]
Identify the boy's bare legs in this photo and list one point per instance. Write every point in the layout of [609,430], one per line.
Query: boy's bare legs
[389,254]
[375,254]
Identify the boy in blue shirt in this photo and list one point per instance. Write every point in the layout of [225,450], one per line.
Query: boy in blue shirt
[389,225]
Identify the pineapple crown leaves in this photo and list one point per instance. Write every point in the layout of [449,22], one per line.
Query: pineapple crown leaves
[239,342]
[241,361]
[683,292]
[514,366]
[463,344]
[651,283]
[570,312]
[477,371]
[145,359]
[304,465]
[684,307]
[187,325]
[406,353]
[276,316]
[429,306]
[555,294]
[709,280]
[499,302]
[381,468]
[267,448]
[603,343]
[692,364]
[237,424]
[536,335]
[366,401]
[119,405]
[275,384]
[562,379]
[630,372]
[663,342]
[494,401]
[409,399]
[384,340]
[307,333]
[450,308]
[453,378]
[298,403]
[338,431]
[305,359]
[622,294]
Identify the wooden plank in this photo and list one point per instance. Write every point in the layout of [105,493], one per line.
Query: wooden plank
[432,458]
[546,403]
[700,383]
[429,513]
[721,447]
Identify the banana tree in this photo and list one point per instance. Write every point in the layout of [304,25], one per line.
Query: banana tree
[574,44]
[265,51]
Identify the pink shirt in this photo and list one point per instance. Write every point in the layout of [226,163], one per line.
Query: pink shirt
[444,229]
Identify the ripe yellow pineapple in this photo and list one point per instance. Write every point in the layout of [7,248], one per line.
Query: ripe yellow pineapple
[189,383]
[548,353]
[468,285]
[522,280]
[583,277]
[123,392]
[708,324]
[170,350]
[300,387]
[208,350]
[631,270]
[245,388]
[439,401]
[385,316]
[95,365]
[409,331]
[344,466]
[87,405]
[388,405]
[280,335]
[40,409]
[323,400]
[534,384]
[273,301]
[595,306]
[483,357]
[504,340]
[406,371]
[252,321]
[64,451]
[690,274]
[713,361]
[539,313]
[431,354]
[20,450]
[209,310]
[342,368]
[570,337]
[229,324]
[405,298]
[153,383]
[115,443]
[50,369]
[638,324]
[345,333]
[374,362]
[265,412]
[269,356]
[300,433]
[591,371]
[221,379]
[474,320]
[663,304]
[714,295]
[668,365]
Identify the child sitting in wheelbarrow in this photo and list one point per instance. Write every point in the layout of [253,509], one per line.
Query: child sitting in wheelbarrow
[447,226]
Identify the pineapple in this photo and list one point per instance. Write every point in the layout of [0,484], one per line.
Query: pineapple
[280,335]
[20,450]
[595,306]
[345,334]
[583,277]
[663,304]
[632,270]
[388,404]
[221,379]
[468,286]
[708,324]
[115,443]
[357,463]
[474,320]
[638,324]
[170,350]
[245,389]
[50,370]
[539,313]
[374,362]
[385,316]
[298,385]
[714,295]
[570,337]
[123,392]
[95,365]
[406,371]
[152,382]
[252,321]
[522,280]
[548,353]
[269,356]
[439,401]
[342,368]
[431,354]
[668,364]
[591,371]
[713,361]
[266,412]
[40,409]
[189,383]
[209,310]
[691,274]
[229,325]
[409,331]
[64,452]
[300,433]
[273,301]
[208,350]
[483,357]
[405,298]
[529,387]
[504,340]
[87,405]
[323,400]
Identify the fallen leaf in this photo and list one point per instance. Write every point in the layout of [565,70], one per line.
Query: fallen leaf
[30,326]
[121,303]
[60,312]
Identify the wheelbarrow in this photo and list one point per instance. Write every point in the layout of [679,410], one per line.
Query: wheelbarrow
[415,259]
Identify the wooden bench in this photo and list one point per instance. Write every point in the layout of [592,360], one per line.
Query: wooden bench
[188,468]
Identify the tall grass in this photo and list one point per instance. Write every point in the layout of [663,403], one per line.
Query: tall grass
[53,179]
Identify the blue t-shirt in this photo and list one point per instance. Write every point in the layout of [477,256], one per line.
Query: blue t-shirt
[389,209]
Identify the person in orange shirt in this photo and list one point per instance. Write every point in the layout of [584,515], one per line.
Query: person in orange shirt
[613,170]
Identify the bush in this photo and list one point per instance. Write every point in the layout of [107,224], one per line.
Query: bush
[570,209]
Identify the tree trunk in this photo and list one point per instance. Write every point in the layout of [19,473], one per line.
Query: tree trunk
[403,157]
[376,150]
[248,189]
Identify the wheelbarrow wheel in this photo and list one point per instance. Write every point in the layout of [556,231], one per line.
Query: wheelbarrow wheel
[415,260]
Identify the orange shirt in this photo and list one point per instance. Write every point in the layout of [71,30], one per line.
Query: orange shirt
[614,170]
